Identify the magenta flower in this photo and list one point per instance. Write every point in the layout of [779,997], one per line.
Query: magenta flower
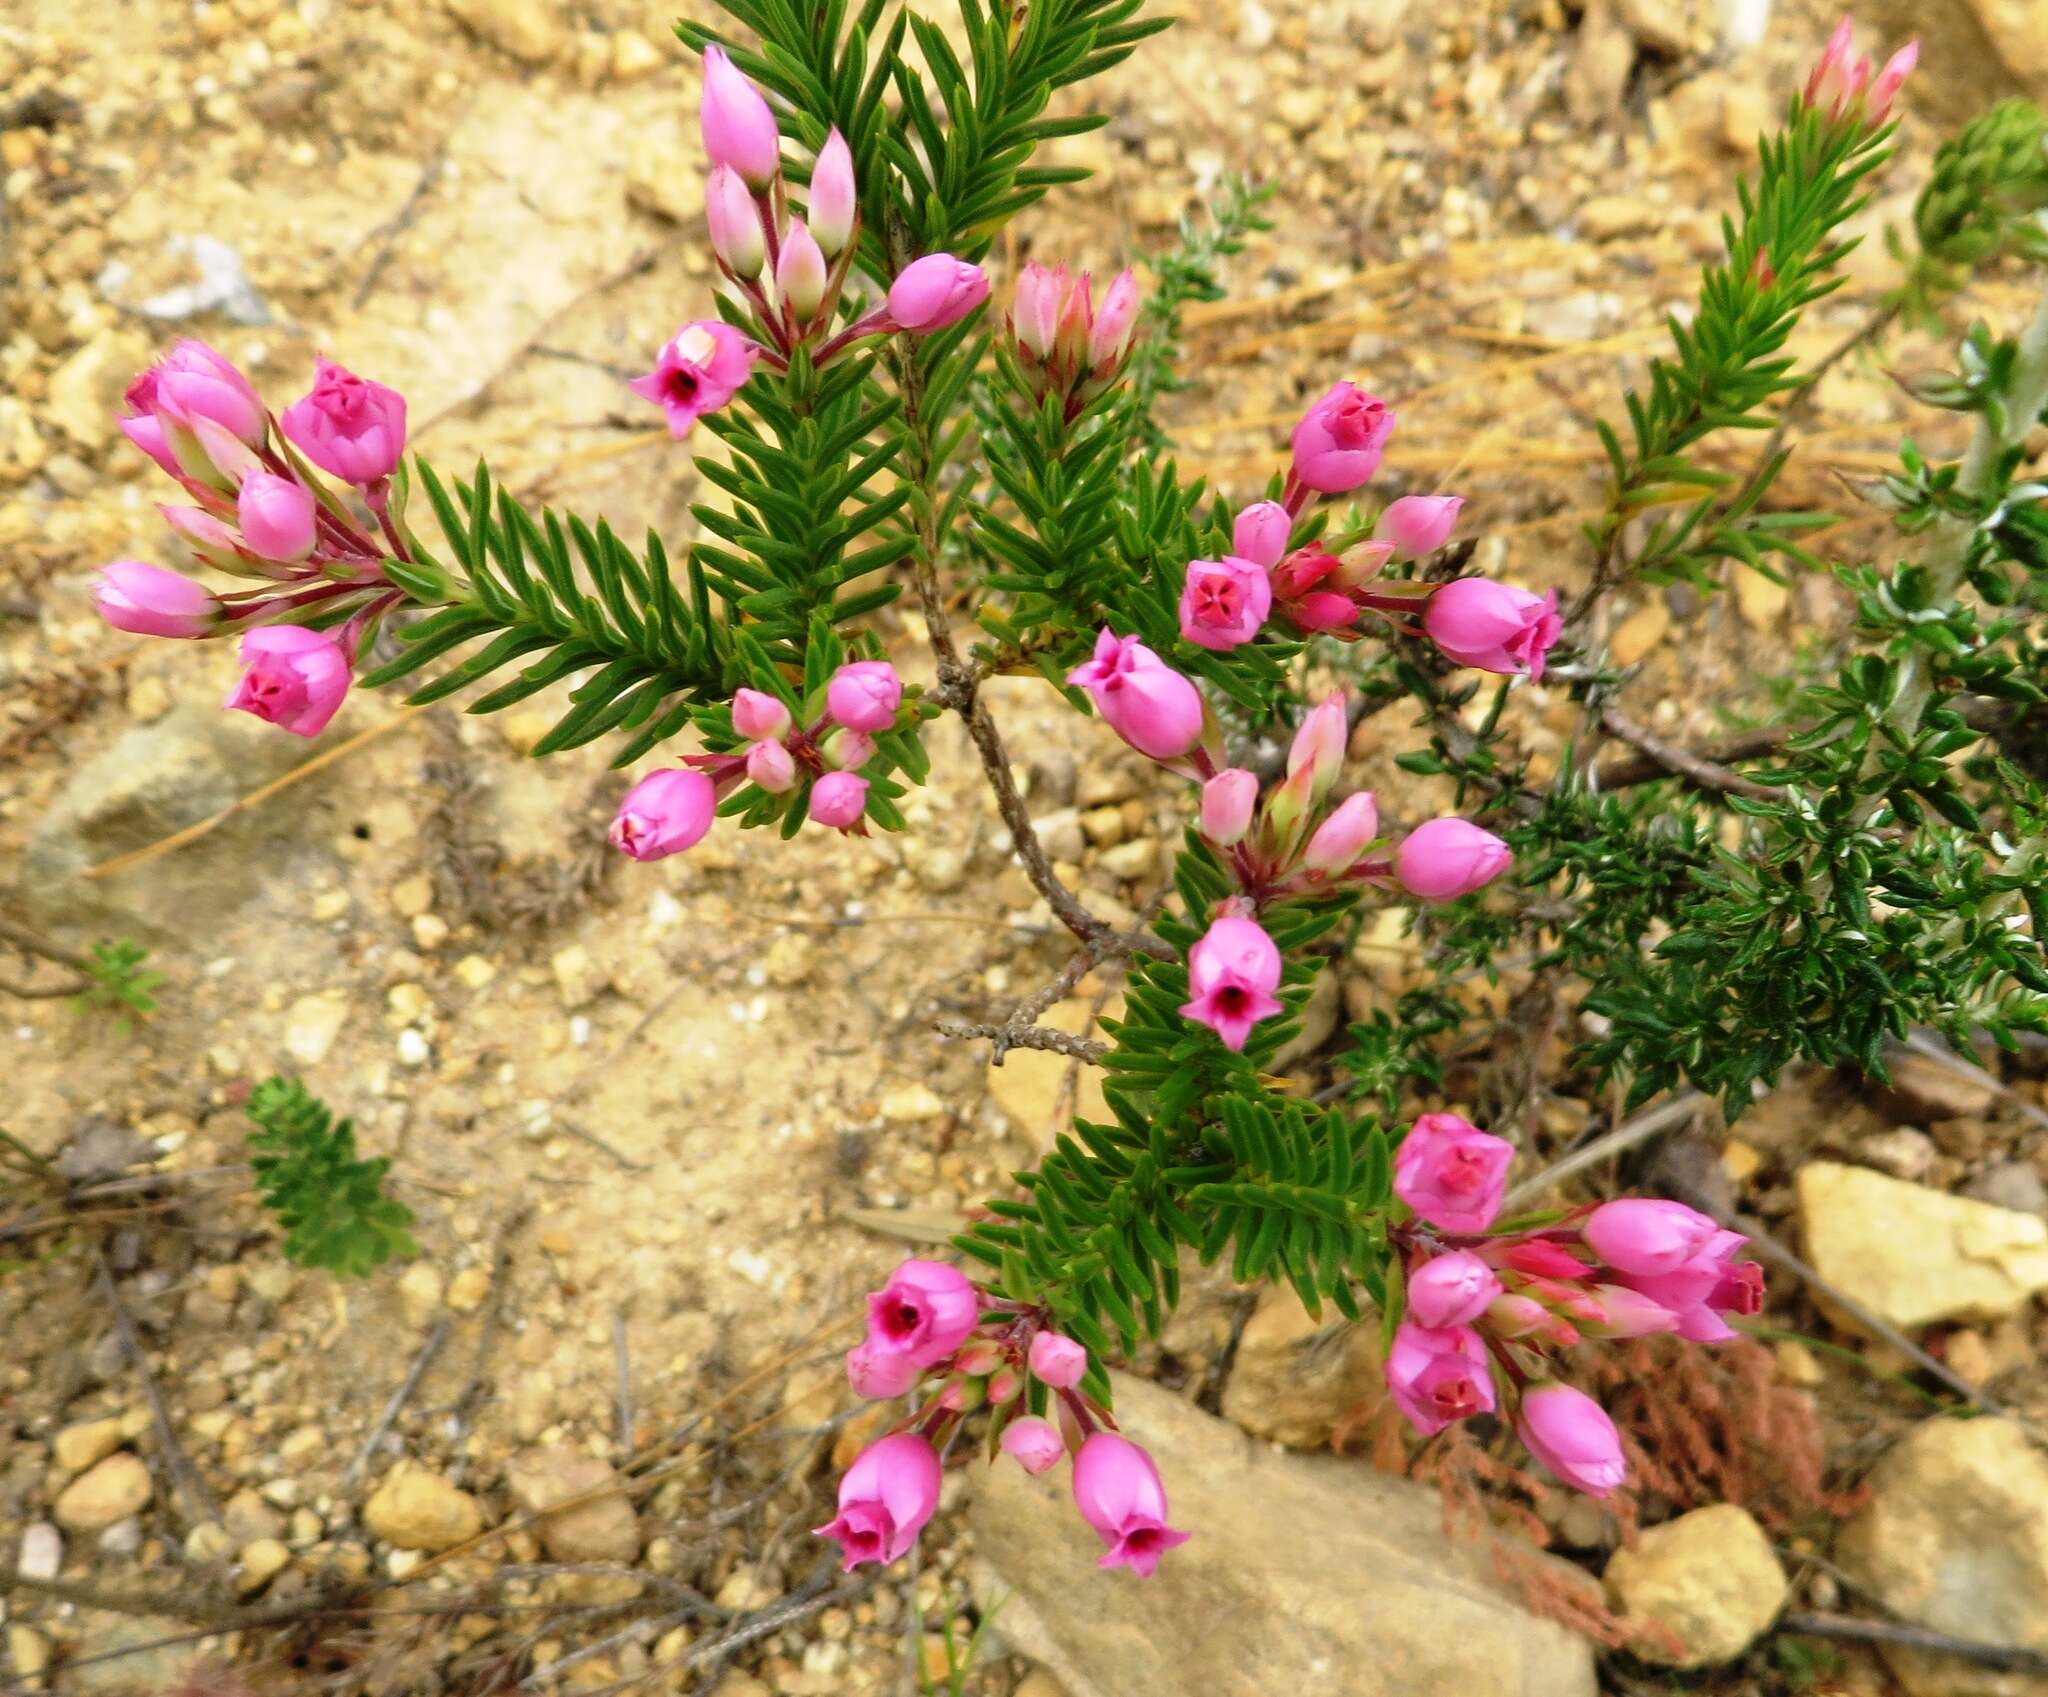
[1418,524]
[1443,859]
[757,715]
[1705,1286]
[1117,1490]
[879,1373]
[734,219]
[1109,337]
[1260,533]
[885,1499]
[925,1311]
[738,127]
[1647,1235]
[1453,1289]
[1146,702]
[1224,602]
[1570,1434]
[146,599]
[347,425]
[935,291]
[294,678]
[1438,1374]
[838,799]
[800,271]
[771,766]
[665,813]
[863,695]
[1307,589]
[1227,803]
[833,195]
[1340,839]
[1452,1173]
[1338,442]
[697,372]
[143,426]
[1493,626]
[277,516]
[193,382]
[1057,1361]
[1034,1444]
[1232,973]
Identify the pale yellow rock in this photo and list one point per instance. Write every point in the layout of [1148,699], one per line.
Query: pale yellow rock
[468,1290]
[110,1490]
[1294,1378]
[530,30]
[604,1529]
[1916,1255]
[1639,633]
[261,1562]
[77,1447]
[912,1104]
[1759,601]
[1709,1577]
[418,1510]
[1029,1085]
[420,1292]
[633,56]
[28,1652]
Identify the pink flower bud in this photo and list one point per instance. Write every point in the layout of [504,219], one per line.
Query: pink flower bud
[146,430]
[1344,836]
[800,271]
[1619,1312]
[1318,745]
[1647,1235]
[1418,524]
[207,537]
[1839,75]
[1224,602]
[193,382]
[1146,702]
[1448,858]
[1451,1173]
[150,601]
[1110,337]
[1570,1434]
[347,425]
[698,372]
[886,1497]
[735,222]
[935,291]
[1890,80]
[1232,973]
[1493,626]
[879,1374]
[863,695]
[277,516]
[833,195]
[1227,803]
[1338,442]
[294,678]
[1057,1360]
[1516,1316]
[758,716]
[925,1311]
[665,813]
[1117,1490]
[1035,1445]
[1451,1290]
[839,799]
[770,765]
[738,126]
[1540,1258]
[1260,533]
[1438,1375]
[848,751]
[1035,312]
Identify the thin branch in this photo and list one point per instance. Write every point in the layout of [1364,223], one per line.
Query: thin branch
[193,1495]
[1624,1137]
[399,1398]
[1702,773]
[622,1361]
[35,943]
[494,1309]
[1049,1038]
[2011,1658]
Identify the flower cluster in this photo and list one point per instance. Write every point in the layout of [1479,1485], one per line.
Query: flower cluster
[1477,1302]
[1841,81]
[1064,345]
[930,1326]
[791,267]
[258,511]
[670,810]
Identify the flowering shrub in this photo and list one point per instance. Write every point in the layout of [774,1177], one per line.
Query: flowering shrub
[885,427]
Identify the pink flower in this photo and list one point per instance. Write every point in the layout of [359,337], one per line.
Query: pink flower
[735,223]
[1260,533]
[295,678]
[1344,836]
[1117,1490]
[208,538]
[150,601]
[1338,442]
[1493,626]
[757,715]
[1570,1434]
[1452,1173]
[863,695]
[839,799]
[925,1311]
[1319,743]
[277,516]
[1227,803]
[1306,588]
[1453,1289]
[770,765]
[1540,1258]
[1438,1374]
[1418,524]
[141,425]
[738,126]
[347,425]
[935,291]
[1705,1286]
[1890,80]
[664,813]
[1036,308]
[1619,1312]
[193,382]
[1232,973]
[847,751]
[1109,339]
[1146,702]
[800,271]
[879,1374]
[886,1497]
[1447,858]
[1647,1235]
[1224,602]
[832,195]
[1033,1443]
[698,372]
[1057,1361]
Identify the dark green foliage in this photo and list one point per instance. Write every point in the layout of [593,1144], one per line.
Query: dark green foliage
[118,982]
[1982,200]
[331,1205]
